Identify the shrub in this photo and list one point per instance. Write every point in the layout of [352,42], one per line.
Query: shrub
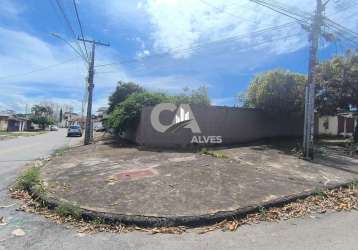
[29,179]
[126,115]
[65,210]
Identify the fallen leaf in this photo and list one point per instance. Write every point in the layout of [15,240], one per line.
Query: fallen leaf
[2,221]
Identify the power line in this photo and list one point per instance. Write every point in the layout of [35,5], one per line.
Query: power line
[285,10]
[342,31]
[255,46]
[201,45]
[80,24]
[228,13]
[36,70]
[350,5]
[69,26]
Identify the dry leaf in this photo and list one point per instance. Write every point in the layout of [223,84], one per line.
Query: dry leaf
[2,221]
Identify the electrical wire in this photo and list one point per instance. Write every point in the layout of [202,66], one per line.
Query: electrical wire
[301,17]
[350,5]
[81,29]
[246,49]
[36,70]
[69,26]
[201,45]
[228,13]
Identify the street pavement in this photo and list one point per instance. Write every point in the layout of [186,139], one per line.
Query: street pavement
[324,231]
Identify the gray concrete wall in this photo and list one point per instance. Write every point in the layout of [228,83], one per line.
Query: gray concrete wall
[235,125]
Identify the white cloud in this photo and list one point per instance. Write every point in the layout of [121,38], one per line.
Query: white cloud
[26,78]
[9,9]
[180,24]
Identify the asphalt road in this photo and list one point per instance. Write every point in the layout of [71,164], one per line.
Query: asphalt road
[328,231]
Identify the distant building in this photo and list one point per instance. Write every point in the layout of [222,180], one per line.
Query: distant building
[102,113]
[70,118]
[342,124]
[100,116]
[13,123]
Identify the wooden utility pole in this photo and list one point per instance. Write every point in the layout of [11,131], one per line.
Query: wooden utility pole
[90,87]
[309,122]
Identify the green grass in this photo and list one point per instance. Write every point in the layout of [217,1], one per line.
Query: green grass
[30,179]
[66,210]
[318,192]
[205,151]
[61,151]
[97,221]
[263,212]
[341,142]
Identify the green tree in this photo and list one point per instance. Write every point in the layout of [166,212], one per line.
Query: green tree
[61,115]
[276,91]
[126,115]
[337,84]
[42,115]
[123,90]
[197,97]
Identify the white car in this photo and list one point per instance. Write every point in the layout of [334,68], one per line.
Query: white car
[53,128]
[99,128]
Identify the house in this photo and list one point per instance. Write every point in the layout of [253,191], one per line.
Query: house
[70,118]
[342,124]
[100,116]
[14,123]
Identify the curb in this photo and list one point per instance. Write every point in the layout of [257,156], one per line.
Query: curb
[175,221]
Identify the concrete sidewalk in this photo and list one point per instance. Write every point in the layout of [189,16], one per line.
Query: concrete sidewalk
[133,182]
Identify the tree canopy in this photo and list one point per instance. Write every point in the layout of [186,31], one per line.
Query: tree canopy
[123,90]
[337,84]
[42,115]
[277,91]
[197,96]
[126,115]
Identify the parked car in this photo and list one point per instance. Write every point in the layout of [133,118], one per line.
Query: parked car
[53,128]
[99,128]
[74,130]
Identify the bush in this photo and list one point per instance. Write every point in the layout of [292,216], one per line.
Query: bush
[197,97]
[29,179]
[123,90]
[66,210]
[126,115]
[276,91]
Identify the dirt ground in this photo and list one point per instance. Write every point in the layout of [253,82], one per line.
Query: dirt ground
[134,181]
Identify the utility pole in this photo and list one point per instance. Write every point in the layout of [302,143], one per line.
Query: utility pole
[90,87]
[309,122]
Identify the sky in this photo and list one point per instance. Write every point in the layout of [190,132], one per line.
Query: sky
[163,45]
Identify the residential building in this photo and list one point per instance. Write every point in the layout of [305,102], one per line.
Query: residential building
[341,124]
[14,123]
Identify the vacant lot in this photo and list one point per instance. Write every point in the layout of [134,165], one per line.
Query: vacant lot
[135,181]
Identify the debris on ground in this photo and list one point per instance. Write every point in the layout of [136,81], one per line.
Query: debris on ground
[341,199]
[2,221]
[18,232]
[7,206]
